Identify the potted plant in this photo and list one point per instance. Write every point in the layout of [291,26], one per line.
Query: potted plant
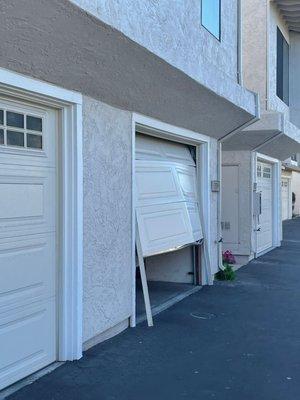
[227,273]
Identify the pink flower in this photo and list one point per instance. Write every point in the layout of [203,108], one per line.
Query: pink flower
[228,257]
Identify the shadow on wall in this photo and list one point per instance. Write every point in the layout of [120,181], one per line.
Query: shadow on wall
[295,212]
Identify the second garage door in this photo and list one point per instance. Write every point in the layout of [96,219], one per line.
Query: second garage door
[27,239]
[285,199]
[265,188]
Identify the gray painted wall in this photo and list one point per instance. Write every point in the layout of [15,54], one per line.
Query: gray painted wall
[173,31]
[107,274]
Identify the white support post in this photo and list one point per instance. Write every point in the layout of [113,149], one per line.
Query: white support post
[144,279]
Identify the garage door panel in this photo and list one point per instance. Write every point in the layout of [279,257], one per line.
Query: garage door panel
[158,182]
[26,201]
[187,182]
[194,214]
[28,269]
[152,148]
[27,340]
[154,182]
[166,227]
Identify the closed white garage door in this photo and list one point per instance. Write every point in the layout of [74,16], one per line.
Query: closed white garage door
[27,240]
[285,199]
[265,187]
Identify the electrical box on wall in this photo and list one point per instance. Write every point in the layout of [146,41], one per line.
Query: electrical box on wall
[215,186]
[254,186]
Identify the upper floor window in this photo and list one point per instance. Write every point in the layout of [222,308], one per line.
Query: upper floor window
[211,16]
[294,157]
[282,68]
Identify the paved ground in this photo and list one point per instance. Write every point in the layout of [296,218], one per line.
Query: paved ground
[237,341]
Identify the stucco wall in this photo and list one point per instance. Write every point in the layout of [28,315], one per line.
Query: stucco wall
[260,21]
[173,31]
[295,78]
[58,42]
[254,47]
[107,275]
[275,20]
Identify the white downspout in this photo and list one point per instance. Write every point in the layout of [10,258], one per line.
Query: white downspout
[219,206]
[239,43]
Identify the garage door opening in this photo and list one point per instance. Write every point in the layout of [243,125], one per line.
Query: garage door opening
[167,222]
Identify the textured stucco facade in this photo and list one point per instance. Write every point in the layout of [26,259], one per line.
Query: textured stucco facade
[275,20]
[254,47]
[274,135]
[107,270]
[128,57]
[61,43]
[173,31]
[295,78]
[108,282]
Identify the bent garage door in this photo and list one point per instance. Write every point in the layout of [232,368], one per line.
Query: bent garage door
[27,239]
[265,223]
[167,206]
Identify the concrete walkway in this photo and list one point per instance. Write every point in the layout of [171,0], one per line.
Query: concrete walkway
[231,341]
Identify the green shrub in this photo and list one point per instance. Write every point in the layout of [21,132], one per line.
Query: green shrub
[227,274]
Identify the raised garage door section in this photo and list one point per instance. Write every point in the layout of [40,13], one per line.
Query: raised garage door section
[285,199]
[27,240]
[265,187]
[167,206]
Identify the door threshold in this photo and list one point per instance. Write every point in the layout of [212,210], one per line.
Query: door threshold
[4,393]
[167,304]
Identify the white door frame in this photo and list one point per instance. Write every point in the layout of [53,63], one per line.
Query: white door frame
[163,130]
[276,198]
[69,107]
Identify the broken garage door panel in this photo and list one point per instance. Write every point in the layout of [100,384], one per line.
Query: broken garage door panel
[167,207]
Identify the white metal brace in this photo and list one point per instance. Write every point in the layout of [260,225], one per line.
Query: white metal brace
[143,278]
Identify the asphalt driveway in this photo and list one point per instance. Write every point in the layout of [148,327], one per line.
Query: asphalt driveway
[237,340]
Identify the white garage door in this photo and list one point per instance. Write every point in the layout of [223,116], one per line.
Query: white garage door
[265,187]
[27,240]
[285,199]
[167,207]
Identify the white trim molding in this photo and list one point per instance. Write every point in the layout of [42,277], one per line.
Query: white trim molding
[69,107]
[163,130]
